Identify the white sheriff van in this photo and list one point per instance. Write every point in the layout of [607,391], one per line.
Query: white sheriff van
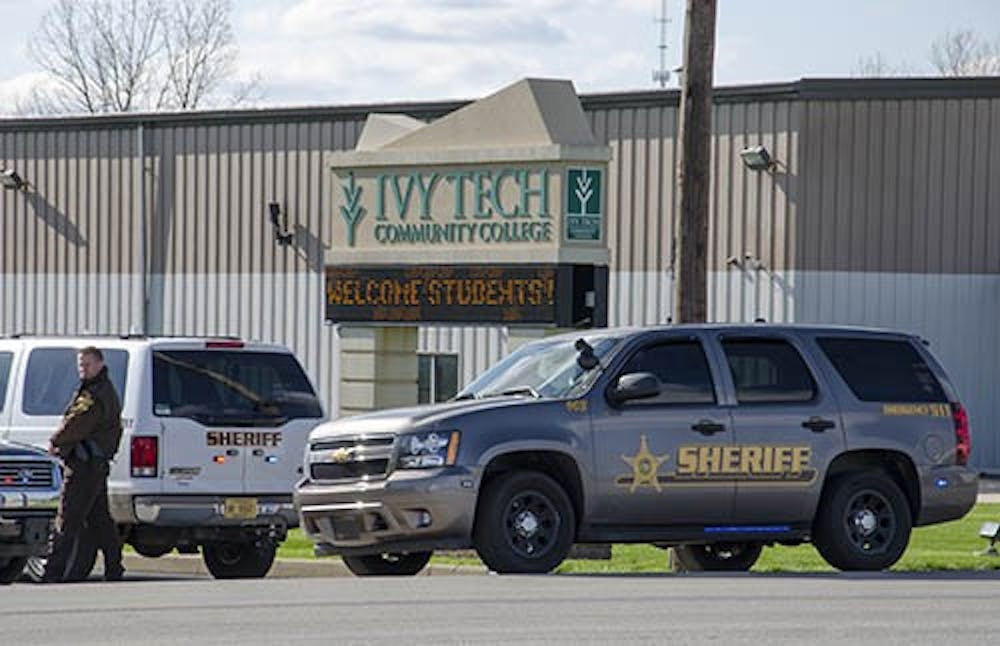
[214,433]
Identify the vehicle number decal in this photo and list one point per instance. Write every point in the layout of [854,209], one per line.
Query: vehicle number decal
[916,410]
[577,406]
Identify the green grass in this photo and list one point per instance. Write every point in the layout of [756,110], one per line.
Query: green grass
[949,546]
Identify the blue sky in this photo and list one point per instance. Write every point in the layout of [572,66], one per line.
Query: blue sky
[310,52]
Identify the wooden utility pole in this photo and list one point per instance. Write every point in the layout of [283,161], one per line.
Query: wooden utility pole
[691,269]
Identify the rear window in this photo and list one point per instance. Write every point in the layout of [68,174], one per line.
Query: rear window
[223,388]
[52,378]
[768,371]
[6,360]
[878,370]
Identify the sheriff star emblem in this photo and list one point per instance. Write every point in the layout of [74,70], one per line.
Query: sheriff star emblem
[645,468]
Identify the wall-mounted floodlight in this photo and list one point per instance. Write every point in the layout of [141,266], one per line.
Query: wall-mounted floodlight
[280,224]
[11,180]
[757,158]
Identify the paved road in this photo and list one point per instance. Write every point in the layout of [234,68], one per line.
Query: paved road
[745,609]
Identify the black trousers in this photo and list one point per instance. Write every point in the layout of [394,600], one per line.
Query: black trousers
[83,508]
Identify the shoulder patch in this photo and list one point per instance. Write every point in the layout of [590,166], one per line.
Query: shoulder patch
[83,402]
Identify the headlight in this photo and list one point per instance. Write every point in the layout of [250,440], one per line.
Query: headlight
[428,450]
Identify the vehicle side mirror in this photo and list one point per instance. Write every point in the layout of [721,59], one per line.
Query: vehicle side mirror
[636,385]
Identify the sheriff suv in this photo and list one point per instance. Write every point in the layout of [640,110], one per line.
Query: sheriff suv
[214,432]
[714,439]
[29,498]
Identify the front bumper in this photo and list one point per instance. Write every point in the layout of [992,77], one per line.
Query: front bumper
[206,510]
[34,499]
[409,511]
[946,493]
[25,532]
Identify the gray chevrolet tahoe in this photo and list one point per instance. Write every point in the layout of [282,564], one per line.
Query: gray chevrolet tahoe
[714,439]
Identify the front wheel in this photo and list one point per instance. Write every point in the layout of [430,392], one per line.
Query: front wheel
[238,560]
[863,522]
[79,570]
[11,569]
[717,557]
[525,524]
[387,564]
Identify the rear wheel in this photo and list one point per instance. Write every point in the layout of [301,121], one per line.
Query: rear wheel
[11,569]
[387,564]
[525,524]
[863,522]
[717,557]
[238,560]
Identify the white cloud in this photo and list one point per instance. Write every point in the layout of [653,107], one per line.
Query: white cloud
[339,51]
[16,92]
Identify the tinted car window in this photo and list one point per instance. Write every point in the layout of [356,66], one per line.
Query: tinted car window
[768,371]
[52,378]
[682,370]
[6,360]
[879,370]
[225,388]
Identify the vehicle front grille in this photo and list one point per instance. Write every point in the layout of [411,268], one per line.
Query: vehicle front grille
[330,471]
[26,474]
[350,458]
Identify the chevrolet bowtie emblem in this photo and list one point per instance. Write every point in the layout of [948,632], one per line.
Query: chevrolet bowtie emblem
[342,455]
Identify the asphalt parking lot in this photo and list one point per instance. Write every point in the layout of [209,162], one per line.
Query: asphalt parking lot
[743,609]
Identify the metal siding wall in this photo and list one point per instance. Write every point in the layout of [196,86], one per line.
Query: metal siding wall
[899,229]
[68,243]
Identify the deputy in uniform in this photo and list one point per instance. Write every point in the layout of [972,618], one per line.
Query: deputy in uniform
[87,440]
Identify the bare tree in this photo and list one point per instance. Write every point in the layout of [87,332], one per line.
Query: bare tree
[200,51]
[965,53]
[124,55]
[877,65]
[100,52]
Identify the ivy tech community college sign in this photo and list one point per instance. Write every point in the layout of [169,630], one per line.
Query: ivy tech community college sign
[494,213]
[489,206]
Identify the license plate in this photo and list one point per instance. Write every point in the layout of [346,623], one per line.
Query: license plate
[239,508]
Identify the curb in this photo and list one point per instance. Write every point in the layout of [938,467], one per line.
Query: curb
[192,565]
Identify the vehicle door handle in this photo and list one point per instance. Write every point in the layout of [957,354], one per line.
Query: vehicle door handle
[232,452]
[707,428]
[818,424]
[258,452]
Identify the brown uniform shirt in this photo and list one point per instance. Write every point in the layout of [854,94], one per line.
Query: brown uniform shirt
[93,414]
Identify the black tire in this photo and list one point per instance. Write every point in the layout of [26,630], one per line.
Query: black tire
[80,570]
[11,569]
[863,522]
[151,550]
[238,560]
[387,564]
[717,557]
[525,524]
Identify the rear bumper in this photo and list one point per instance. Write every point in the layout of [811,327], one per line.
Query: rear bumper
[946,493]
[409,511]
[202,511]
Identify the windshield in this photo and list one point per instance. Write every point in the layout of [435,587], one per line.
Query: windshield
[543,369]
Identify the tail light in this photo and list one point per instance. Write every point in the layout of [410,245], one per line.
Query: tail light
[225,343]
[963,435]
[145,451]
